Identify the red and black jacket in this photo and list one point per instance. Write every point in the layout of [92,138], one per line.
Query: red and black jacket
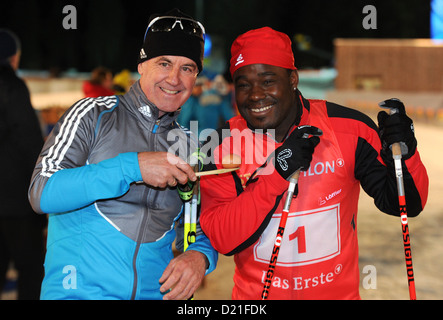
[319,254]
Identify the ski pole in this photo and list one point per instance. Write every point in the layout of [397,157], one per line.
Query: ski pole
[193,220]
[293,180]
[397,155]
[279,238]
[190,193]
[186,193]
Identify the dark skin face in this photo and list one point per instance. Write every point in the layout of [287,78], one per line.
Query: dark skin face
[266,98]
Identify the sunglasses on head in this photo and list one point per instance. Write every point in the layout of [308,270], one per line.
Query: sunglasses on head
[167,23]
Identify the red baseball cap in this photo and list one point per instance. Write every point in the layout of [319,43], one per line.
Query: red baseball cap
[263,46]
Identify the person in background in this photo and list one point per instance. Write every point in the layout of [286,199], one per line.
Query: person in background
[209,105]
[122,82]
[189,111]
[21,230]
[100,84]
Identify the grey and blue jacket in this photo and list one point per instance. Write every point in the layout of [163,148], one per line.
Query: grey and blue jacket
[110,236]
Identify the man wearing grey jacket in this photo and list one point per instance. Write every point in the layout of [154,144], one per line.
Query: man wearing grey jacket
[108,182]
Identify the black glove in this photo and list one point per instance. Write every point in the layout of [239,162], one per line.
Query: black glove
[296,152]
[397,127]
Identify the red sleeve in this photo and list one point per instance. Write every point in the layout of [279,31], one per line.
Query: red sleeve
[234,221]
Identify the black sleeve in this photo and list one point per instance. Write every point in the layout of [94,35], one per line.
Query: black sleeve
[376,177]
[379,181]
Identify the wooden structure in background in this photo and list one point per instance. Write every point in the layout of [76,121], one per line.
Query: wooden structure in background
[414,65]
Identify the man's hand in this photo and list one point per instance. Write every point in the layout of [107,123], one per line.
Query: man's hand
[396,127]
[296,152]
[183,275]
[162,169]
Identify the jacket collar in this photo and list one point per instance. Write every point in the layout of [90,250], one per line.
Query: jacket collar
[146,110]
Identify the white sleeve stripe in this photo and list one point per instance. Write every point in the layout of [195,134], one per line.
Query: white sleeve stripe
[48,160]
[51,162]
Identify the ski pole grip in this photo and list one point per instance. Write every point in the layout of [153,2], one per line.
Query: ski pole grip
[296,174]
[396,149]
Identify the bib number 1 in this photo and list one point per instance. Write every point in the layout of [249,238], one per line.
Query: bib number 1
[310,237]
[299,234]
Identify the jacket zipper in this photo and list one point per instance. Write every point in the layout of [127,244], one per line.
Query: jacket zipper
[141,231]
[135,256]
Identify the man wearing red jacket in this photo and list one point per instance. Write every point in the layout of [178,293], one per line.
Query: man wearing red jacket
[318,257]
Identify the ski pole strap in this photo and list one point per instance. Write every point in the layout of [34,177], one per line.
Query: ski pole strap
[185,191]
[197,159]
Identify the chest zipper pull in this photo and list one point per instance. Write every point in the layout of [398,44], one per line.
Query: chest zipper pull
[157,123]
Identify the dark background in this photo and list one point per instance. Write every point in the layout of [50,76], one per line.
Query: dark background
[110,32]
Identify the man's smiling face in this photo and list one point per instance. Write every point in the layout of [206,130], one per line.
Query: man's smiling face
[167,81]
[265,97]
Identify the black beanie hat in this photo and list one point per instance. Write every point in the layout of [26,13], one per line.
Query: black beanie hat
[9,44]
[172,43]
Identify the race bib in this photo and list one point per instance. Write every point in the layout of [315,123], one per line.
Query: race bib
[310,237]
